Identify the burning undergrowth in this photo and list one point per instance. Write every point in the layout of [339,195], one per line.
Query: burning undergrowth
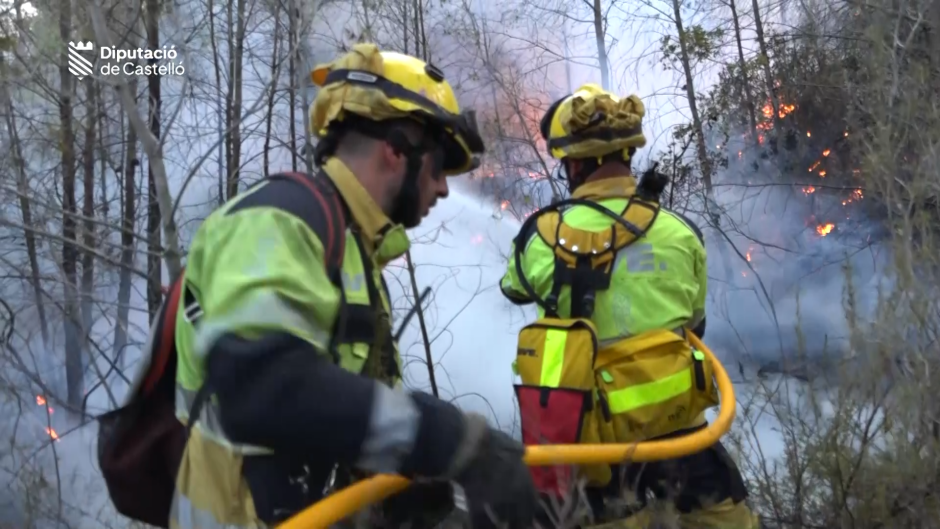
[794,233]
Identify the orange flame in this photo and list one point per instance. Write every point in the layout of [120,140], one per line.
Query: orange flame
[768,110]
[825,229]
[826,152]
[504,204]
[854,197]
[40,400]
[52,433]
[809,190]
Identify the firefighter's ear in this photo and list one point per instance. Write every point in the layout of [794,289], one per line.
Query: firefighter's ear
[393,152]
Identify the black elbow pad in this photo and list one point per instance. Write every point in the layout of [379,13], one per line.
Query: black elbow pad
[279,392]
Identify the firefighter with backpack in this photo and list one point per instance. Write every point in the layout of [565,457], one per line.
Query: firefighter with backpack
[286,370]
[619,281]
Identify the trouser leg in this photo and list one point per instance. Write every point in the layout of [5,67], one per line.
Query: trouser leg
[724,515]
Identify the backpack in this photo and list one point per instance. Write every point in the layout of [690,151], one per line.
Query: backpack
[572,389]
[141,444]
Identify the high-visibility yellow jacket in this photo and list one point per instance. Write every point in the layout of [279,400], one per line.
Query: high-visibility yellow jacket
[283,410]
[658,282]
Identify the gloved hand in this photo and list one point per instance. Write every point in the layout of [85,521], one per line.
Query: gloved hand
[496,482]
[485,462]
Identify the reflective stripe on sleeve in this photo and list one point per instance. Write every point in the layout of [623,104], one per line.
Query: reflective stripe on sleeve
[264,309]
[393,428]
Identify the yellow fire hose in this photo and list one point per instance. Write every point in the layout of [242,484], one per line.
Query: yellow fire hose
[352,499]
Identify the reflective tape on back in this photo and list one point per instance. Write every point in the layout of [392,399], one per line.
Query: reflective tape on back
[553,357]
[628,399]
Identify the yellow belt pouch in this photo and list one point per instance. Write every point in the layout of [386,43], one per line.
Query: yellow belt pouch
[651,385]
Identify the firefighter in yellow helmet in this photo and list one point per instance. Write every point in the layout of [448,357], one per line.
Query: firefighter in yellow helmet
[285,320]
[618,280]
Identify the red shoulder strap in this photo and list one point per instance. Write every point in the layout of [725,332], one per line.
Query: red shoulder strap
[324,191]
[167,330]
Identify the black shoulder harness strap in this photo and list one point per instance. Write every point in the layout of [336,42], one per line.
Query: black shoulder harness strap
[583,260]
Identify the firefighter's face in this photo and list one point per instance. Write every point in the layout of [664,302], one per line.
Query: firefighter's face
[414,200]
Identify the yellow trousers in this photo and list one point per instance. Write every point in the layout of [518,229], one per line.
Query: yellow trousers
[724,515]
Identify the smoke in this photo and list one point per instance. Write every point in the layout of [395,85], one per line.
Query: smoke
[460,252]
[780,261]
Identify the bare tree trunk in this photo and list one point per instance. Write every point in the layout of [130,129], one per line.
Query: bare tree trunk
[564,36]
[154,267]
[233,130]
[686,61]
[73,335]
[88,204]
[404,27]
[128,247]
[745,82]
[272,94]
[292,66]
[711,204]
[765,62]
[104,159]
[600,37]
[301,53]
[22,189]
[423,34]
[420,49]
[221,107]
[151,145]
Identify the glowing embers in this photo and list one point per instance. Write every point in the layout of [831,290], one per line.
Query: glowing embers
[41,401]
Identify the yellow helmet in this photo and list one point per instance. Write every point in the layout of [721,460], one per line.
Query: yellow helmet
[592,123]
[383,85]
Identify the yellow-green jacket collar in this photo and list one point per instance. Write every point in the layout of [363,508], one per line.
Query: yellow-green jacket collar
[383,240]
[614,187]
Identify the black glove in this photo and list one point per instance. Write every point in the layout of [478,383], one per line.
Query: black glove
[420,506]
[486,463]
[496,482]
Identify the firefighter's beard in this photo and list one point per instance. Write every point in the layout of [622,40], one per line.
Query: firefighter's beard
[406,209]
